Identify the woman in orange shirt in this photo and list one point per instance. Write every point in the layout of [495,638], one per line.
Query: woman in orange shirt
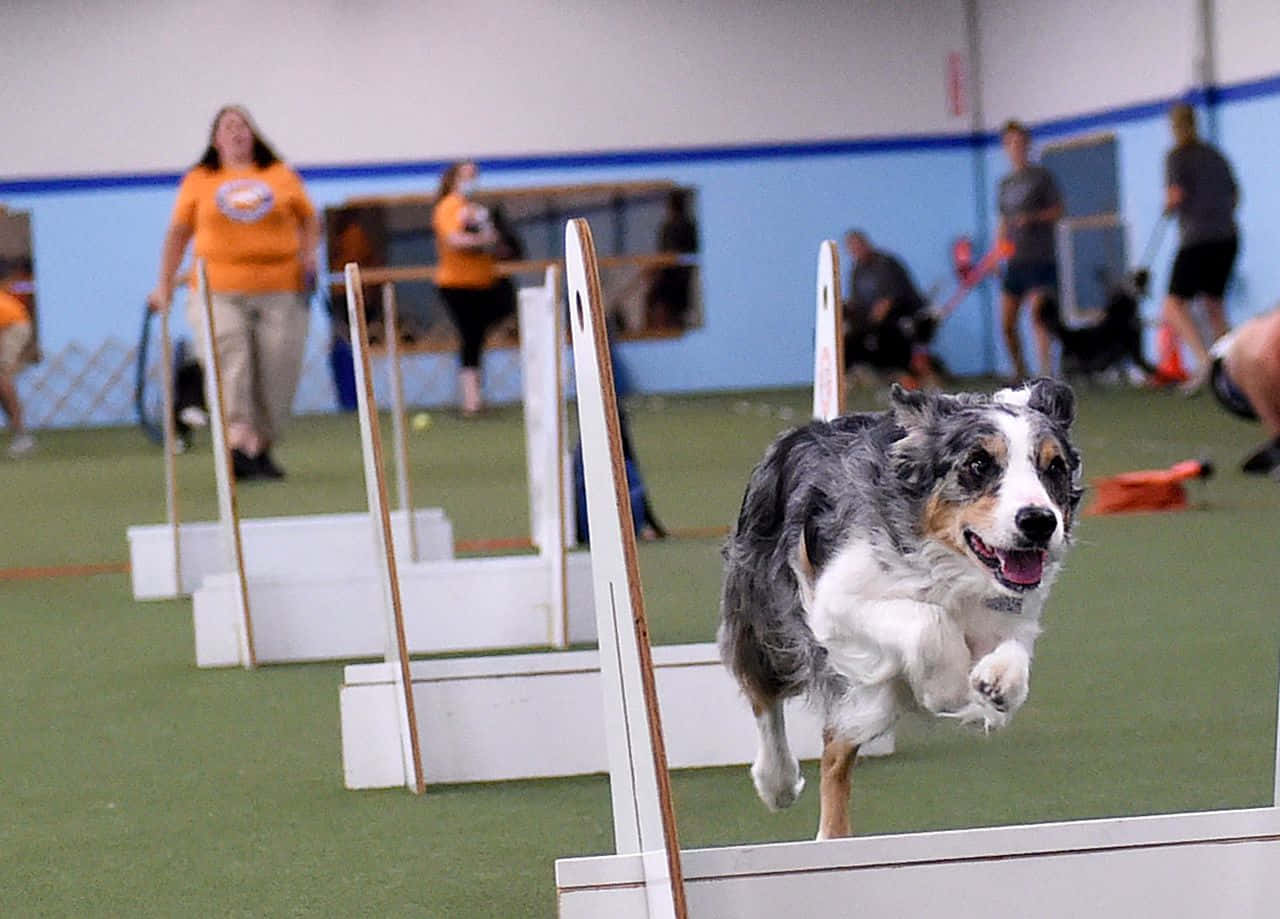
[466,273]
[257,231]
[15,336]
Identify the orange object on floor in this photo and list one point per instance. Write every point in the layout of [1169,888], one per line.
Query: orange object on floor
[1169,367]
[1147,489]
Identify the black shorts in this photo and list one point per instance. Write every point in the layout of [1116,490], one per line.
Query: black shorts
[1228,394]
[1203,268]
[1021,278]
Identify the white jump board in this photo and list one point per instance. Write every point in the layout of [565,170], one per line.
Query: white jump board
[1212,864]
[454,605]
[274,546]
[538,715]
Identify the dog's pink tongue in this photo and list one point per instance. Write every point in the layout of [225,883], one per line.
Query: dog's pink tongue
[1022,566]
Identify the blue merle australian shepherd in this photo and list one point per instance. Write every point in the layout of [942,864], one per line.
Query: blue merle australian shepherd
[898,558]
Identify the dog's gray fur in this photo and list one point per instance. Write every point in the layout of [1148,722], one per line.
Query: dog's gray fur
[863,477]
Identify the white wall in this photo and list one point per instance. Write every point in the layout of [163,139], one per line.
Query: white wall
[1248,34]
[1044,59]
[125,87]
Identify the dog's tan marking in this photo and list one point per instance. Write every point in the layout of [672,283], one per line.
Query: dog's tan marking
[945,521]
[805,575]
[1049,449]
[837,770]
[997,446]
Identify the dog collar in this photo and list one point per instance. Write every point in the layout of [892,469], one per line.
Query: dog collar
[1003,604]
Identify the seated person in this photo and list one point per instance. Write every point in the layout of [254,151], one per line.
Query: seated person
[1245,377]
[887,323]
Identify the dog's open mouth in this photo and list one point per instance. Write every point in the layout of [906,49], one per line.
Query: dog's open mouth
[1017,569]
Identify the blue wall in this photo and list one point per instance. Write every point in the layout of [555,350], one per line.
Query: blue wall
[763,212]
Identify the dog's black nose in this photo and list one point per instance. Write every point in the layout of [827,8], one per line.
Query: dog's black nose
[1036,523]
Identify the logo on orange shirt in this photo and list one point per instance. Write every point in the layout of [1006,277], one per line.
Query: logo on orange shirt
[245,200]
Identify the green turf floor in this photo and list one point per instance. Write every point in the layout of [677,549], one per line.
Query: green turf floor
[136,785]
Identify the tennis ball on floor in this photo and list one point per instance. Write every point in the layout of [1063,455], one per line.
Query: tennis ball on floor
[422,421]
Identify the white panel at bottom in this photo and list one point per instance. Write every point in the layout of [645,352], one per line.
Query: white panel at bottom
[1194,865]
[452,605]
[539,715]
[315,544]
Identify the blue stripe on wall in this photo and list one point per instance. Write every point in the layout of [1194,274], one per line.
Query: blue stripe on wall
[906,143]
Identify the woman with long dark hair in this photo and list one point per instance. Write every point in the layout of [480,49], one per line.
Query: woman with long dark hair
[466,273]
[257,231]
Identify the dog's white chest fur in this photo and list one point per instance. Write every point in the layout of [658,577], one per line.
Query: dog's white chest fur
[924,627]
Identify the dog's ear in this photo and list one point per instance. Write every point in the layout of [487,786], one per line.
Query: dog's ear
[909,408]
[913,409]
[1052,398]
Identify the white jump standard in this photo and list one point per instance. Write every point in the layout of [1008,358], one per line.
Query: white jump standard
[449,604]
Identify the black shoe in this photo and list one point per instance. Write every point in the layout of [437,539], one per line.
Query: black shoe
[1264,460]
[266,466]
[243,466]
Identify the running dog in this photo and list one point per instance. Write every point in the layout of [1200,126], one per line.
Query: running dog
[1114,339]
[895,558]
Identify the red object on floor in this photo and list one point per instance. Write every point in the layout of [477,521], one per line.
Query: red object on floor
[1147,489]
[1169,368]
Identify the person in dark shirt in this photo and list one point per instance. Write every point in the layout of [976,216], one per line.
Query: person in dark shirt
[1201,189]
[668,300]
[1029,204]
[886,321]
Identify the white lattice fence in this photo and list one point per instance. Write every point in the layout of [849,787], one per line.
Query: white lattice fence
[81,386]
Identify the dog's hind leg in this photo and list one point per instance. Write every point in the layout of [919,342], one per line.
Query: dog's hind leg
[838,755]
[776,771]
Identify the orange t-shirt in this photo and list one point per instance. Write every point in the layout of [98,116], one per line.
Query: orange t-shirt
[458,267]
[247,225]
[12,310]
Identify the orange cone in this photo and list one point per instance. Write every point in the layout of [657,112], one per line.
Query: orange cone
[1147,489]
[1169,368]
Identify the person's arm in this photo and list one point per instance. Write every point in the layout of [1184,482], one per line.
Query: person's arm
[1051,198]
[462,238]
[1173,190]
[176,239]
[309,226]
[309,240]
[1049,214]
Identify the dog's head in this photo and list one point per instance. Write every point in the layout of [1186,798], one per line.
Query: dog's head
[996,480]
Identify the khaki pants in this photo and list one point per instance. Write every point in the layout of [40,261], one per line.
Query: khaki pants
[13,342]
[261,339]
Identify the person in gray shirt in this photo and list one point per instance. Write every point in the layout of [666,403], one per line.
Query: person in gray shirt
[1029,204]
[1201,189]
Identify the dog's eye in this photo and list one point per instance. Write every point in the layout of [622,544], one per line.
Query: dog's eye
[1057,468]
[979,465]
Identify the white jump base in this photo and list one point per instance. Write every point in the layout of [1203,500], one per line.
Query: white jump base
[490,719]
[273,547]
[465,604]
[1210,864]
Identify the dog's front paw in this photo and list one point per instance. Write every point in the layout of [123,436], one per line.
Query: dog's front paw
[778,782]
[999,683]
